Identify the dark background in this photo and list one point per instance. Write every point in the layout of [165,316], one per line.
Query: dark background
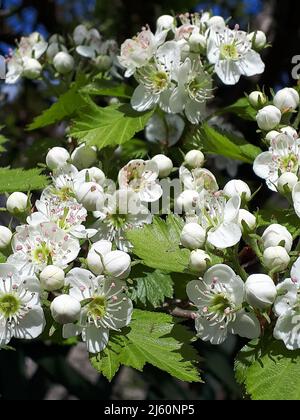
[38,371]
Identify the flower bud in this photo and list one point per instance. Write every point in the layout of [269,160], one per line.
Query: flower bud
[199,260]
[56,39]
[290,131]
[187,201]
[92,175]
[287,99]
[117,264]
[103,62]
[84,156]
[5,237]
[268,118]
[57,157]
[53,49]
[165,165]
[276,257]
[165,22]
[195,159]
[193,236]
[17,203]
[248,218]
[258,39]
[287,181]
[275,235]
[96,255]
[216,22]
[90,195]
[65,309]
[197,43]
[52,278]
[257,99]
[63,62]
[237,187]
[260,291]
[272,135]
[32,69]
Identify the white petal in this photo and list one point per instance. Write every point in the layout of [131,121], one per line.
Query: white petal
[86,51]
[96,338]
[246,326]
[225,236]
[221,272]
[142,101]
[287,297]
[152,193]
[262,165]
[178,100]
[71,330]
[5,334]
[121,318]
[295,272]
[210,331]
[252,64]
[232,209]
[80,281]
[228,72]
[32,325]
[296,198]
[287,329]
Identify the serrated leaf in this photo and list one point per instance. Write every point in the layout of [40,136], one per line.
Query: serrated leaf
[285,217]
[150,287]
[226,144]
[151,338]
[158,245]
[269,371]
[12,180]
[110,126]
[102,87]
[242,109]
[134,149]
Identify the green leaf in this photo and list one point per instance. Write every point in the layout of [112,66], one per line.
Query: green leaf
[3,140]
[134,149]
[158,245]
[65,107]
[269,371]
[285,217]
[151,338]
[102,87]
[242,109]
[110,126]
[2,258]
[12,180]
[226,144]
[150,287]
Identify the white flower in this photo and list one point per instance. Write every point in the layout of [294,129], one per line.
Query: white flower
[21,314]
[199,260]
[287,100]
[272,135]
[275,235]
[283,156]
[84,156]
[276,258]
[89,41]
[289,131]
[96,255]
[260,291]
[65,309]
[63,62]
[187,202]
[57,158]
[268,118]
[5,237]
[216,22]
[140,176]
[287,182]
[17,203]
[166,129]
[258,39]
[194,89]
[232,54]
[198,179]
[257,99]
[194,159]
[63,184]
[89,194]
[107,309]
[52,278]
[197,42]
[165,22]
[248,218]
[219,218]
[219,298]
[164,164]
[237,187]
[287,308]
[35,247]
[193,236]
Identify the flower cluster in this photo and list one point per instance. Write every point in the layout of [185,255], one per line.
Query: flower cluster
[174,66]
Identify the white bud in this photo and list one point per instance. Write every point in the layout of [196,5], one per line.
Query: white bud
[272,135]
[54,49]
[92,175]
[199,260]
[103,62]
[63,62]
[248,218]
[84,156]
[287,99]
[260,291]
[32,69]
[237,187]
[276,257]
[165,22]
[187,201]
[258,99]
[52,278]
[287,181]
[56,39]
[17,203]
[275,235]
[5,237]
[258,39]
[165,165]
[65,309]
[57,157]
[117,264]
[96,255]
[290,131]
[216,22]
[197,43]
[195,159]
[90,195]
[268,118]
[193,236]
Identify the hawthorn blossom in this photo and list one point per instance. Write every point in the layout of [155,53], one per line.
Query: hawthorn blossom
[21,314]
[105,307]
[198,179]
[219,297]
